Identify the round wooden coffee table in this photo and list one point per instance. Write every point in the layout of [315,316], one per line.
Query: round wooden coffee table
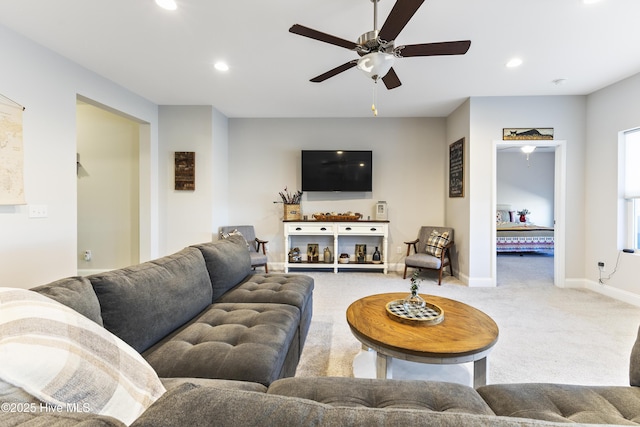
[465,335]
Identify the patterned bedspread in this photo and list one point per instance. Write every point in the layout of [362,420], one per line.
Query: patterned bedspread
[517,237]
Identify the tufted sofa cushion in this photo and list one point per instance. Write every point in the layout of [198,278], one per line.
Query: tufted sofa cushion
[291,289]
[370,393]
[143,303]
[565,403]
[247,342]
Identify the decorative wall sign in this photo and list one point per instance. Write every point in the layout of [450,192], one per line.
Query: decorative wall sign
[515,134]
[456,169]
[185,170]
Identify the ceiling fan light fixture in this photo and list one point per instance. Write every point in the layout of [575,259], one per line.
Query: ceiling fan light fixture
[528,149]
[376,65]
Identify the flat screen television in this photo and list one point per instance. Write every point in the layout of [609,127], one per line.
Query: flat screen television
[336,170]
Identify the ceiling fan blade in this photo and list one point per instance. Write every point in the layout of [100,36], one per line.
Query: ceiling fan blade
[323,37]
[398,18]
[433,49]
[337,70]
[391,80]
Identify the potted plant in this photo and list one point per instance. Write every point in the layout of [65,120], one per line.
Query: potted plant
[523,215]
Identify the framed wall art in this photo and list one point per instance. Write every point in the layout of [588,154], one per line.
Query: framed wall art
[515,134]
[456,169]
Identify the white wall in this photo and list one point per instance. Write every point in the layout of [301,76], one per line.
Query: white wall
[108,193]
[566,114]
[609,111]
[187,215]
[408,162]
[47,85]
[529,185]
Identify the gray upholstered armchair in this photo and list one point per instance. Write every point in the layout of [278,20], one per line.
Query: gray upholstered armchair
[257,249]
[431,250]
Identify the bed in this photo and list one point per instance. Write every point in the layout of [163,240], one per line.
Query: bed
[514,236]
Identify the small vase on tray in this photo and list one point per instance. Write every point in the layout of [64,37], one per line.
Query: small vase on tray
[414,302]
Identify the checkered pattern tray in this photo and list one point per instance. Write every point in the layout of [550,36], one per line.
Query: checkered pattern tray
[431,314]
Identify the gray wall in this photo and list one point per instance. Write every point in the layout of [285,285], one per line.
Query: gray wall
[408,162]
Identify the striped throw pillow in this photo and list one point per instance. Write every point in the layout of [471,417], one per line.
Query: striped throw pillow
[68,361]
[436,242]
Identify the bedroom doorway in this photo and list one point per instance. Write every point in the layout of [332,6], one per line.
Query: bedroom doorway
[536,183]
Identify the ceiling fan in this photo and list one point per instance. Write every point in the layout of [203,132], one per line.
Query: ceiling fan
[376,48]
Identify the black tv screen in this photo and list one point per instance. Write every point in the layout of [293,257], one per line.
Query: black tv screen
[336,170]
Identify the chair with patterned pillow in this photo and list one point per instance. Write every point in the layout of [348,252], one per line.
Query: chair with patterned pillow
[431,250]
[256,247]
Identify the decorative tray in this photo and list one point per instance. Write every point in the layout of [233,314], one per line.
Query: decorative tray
[322,217]
[430,314]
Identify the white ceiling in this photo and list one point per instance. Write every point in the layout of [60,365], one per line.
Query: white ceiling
[167,57]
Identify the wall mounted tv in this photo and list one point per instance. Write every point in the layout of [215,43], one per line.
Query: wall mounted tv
[336,170]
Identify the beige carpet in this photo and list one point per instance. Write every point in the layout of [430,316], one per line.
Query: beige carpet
[547,334]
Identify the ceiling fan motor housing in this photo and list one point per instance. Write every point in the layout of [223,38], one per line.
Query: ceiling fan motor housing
[369,42]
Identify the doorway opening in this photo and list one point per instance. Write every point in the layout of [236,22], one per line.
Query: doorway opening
[533,182]
[108,188]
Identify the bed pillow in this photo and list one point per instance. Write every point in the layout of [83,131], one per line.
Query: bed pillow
[436,242]
[64,359]
[502,216]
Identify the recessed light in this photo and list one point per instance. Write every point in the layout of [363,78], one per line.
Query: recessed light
[221,66]
[167,4]
[515,62]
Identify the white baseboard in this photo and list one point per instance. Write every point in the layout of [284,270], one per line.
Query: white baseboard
[610,291]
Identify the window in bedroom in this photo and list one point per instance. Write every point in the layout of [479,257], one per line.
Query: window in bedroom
[631,156]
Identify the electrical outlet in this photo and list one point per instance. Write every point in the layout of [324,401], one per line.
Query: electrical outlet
[399,250]
[601,265]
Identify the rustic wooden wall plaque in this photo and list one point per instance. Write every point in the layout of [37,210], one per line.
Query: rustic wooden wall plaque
[185,170]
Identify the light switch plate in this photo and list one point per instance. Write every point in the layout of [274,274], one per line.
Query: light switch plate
[38,211]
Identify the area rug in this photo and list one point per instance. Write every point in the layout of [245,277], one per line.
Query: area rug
[547,334]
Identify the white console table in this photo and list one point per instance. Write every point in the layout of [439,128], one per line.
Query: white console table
[339,237]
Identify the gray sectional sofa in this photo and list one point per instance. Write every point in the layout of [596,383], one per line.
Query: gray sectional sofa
[225,344]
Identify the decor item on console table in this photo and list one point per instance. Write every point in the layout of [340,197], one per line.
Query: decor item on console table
[333,216]
[376,257]
[291,204]
[361,253]
[339,235]
[327,256]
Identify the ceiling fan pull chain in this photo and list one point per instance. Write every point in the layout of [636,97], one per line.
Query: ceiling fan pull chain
[373,105]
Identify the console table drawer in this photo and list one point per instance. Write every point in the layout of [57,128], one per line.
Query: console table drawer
[362,229]
[310,228]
